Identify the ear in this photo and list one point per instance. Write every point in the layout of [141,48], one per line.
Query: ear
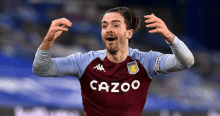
[130,33]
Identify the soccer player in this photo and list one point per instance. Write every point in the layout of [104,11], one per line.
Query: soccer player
[114,81]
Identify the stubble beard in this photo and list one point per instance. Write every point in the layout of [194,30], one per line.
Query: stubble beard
[113,49]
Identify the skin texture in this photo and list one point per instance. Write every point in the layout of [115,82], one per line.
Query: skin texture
[161,27]
[54,32]
[113,25]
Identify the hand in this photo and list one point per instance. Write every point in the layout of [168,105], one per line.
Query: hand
[56,28]
[161,27]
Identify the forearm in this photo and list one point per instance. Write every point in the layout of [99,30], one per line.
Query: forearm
[46,44]
[182,58]
[169,36]
[43,65]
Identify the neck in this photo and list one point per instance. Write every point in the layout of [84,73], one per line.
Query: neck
[119,57]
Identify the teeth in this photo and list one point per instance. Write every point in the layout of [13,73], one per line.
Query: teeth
[110,37]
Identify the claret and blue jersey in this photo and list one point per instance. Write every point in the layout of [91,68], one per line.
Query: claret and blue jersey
[108,88]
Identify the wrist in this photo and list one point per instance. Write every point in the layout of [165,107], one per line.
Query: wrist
[174,43]
[47,44]
[47,40]
[170,37]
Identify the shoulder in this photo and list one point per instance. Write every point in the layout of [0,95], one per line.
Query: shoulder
[89,55]
[137,54]
[97,54]
[147,59]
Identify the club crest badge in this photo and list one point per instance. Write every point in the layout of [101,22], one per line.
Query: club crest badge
[132,67]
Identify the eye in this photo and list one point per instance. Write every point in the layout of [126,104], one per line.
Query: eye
[116,26]
[104,26]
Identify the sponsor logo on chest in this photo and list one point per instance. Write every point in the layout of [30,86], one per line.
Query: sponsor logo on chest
[117,87]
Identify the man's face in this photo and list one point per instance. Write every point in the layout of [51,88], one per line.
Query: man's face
[114,32]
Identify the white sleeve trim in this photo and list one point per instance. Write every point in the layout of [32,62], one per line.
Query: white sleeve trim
[157,64]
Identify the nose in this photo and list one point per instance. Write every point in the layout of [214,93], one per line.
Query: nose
[109,29]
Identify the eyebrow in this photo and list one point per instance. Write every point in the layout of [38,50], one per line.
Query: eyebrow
[113,21]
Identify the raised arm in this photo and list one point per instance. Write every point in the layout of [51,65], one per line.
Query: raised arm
[55,30]
[43,65]
[181,58]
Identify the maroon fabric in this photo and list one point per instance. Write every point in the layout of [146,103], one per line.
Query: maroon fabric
[109,103]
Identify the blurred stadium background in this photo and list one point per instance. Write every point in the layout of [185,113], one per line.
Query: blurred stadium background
[24,23]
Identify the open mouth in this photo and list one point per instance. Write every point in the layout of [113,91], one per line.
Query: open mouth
[110,38]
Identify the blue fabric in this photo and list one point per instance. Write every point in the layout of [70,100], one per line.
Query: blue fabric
[147,59]
[76,64]
[19,86]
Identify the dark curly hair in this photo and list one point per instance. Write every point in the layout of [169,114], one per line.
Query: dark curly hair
[132,20]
